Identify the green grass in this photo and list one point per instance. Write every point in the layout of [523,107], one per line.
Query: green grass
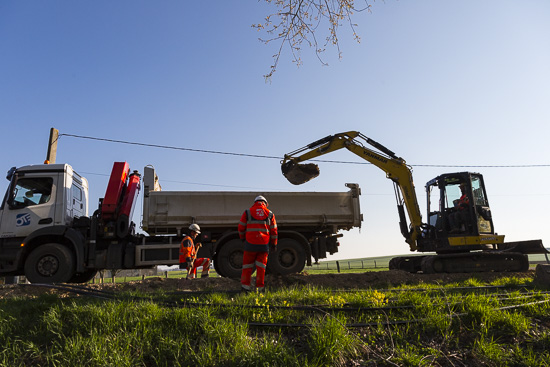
[440,325]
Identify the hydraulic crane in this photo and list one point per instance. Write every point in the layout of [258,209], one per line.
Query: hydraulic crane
[462,236]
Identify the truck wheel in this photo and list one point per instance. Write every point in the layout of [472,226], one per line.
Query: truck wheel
[83,277]
[229,261]
[50,263]
[289,258]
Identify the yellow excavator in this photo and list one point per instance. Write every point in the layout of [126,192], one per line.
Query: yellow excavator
[459,229]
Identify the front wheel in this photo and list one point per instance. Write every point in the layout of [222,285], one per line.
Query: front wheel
[50,263]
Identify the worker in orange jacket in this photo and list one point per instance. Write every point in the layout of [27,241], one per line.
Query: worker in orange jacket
[258,229]
[188,255]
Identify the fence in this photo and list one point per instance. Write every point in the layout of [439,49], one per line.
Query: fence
[342,265]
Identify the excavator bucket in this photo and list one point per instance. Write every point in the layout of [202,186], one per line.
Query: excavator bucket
[297,173]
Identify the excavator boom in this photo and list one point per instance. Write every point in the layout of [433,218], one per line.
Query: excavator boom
[395,167]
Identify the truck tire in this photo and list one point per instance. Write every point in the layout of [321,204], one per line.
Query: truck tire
[83,277]
[50,263]
[229,261]
[289,258]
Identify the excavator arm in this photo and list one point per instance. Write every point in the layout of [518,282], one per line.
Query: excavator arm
[395,167]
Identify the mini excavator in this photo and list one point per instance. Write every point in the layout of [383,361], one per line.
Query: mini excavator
[462,238]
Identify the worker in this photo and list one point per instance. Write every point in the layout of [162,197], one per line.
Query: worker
[188,254]
[459,217]
[258,229]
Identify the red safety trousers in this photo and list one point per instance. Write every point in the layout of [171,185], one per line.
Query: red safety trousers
[250,260]
[201,261]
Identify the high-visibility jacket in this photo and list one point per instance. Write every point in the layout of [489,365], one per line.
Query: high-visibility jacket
[187,249]
[258,227]
[463,202]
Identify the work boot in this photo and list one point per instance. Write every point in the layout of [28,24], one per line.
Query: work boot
[205,275]
[260,290]
[245,290]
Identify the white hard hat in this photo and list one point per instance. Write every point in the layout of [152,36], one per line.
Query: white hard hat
[195,227]
[260,198]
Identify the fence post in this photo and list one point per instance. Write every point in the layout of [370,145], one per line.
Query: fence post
[338,265]
[375,264]
[166,274]
[362,265]
[143,277]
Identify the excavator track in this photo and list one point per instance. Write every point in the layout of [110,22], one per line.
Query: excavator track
[471,262]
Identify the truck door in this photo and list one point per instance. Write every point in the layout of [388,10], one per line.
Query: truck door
[77,200]
[29,205]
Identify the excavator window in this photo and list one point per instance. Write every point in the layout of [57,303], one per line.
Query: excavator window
[453,194]
[479,195]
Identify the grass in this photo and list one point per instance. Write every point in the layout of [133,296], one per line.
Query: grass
[299,326]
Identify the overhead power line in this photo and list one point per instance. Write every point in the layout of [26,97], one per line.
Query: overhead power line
[170,147]
[280,158]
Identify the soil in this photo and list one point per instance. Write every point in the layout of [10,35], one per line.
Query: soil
[379,279]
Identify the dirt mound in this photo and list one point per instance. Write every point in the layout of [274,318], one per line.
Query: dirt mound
[379,279]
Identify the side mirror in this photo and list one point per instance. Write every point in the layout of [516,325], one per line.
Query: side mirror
[10,174]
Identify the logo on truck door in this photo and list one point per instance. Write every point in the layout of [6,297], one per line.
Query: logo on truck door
[22,220]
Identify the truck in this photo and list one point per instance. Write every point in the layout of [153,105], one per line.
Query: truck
[47,235]
[459,230]
[308,222]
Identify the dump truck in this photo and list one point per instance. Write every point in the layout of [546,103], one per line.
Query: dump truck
[47,235]
[309,223]
[459,230]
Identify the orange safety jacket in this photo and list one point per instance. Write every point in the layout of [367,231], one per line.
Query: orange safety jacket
[187,249]
[258,227]
[463,202]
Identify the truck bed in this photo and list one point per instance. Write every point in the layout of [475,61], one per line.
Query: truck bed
[171,212]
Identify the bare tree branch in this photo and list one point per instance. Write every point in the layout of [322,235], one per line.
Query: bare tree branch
[301,21]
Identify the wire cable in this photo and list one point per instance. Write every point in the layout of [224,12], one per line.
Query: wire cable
[280,158]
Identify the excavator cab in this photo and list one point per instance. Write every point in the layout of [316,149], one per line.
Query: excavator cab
[458,205]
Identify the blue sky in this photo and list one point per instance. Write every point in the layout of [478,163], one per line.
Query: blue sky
[437,82]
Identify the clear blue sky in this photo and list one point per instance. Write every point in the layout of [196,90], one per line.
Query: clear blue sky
[437,82]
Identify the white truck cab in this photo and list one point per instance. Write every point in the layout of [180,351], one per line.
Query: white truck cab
[40,196]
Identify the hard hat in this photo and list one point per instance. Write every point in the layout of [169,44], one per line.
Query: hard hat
[260,198]
[195,227]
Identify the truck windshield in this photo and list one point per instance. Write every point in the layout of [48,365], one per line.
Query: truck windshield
[31,191]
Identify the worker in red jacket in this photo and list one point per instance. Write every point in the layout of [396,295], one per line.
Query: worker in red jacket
[258,229]
[458,218]
[188,254]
